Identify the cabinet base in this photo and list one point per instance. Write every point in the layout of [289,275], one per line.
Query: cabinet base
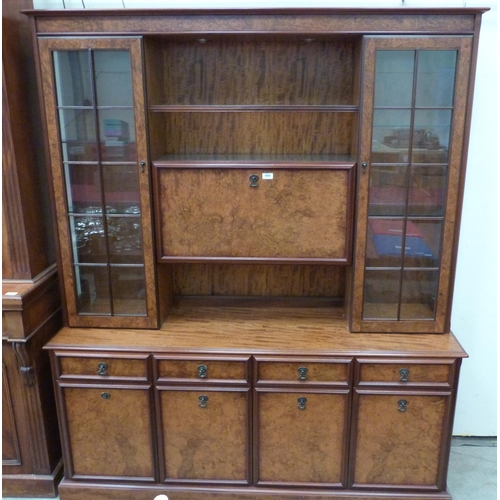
[32,485]
[70,490]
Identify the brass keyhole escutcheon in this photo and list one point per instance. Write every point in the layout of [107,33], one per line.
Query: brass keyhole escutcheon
[402,404]
[301,403]
[102,369]
[254,181]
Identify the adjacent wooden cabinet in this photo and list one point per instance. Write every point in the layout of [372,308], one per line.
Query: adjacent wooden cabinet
[257,216]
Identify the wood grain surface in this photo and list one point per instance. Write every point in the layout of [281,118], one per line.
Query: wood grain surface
[205,443]
[258,72]
[216,369]
[302,22]
[116,367]
[264,329]
[109,437]
[215,213]
[418,373]
[258,133]
[288,371]
[259,280]
[301,446]
[399,448]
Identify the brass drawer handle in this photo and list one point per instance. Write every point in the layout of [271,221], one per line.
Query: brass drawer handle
[302,373]
[402,404]
[302,403]
[105,395]
[102,369]
[404,374]
[202,371]
[203,401]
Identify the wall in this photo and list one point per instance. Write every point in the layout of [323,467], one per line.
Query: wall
[474,308]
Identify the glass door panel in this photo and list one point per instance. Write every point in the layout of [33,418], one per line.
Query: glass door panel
[408,119]
[95,105]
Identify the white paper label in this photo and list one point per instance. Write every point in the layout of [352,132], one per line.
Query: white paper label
[267,176]
[11,293]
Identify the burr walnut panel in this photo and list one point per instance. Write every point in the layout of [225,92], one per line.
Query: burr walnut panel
[301,445]
[305,370]
[421,373]
[213,369]
[109,435]
[103,367]
[205,439]
[396,447]
[299,214]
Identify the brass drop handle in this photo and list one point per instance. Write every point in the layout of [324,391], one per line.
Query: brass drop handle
[105,395]
[203,401]
[102,369]
[301,403]
[364,166]
[202,371]
[302,373]
[404,374]
[402,404]
[143,166]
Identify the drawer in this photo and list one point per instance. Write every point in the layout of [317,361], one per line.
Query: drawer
[202,369]
[303,371]
[413,372]
[102,367]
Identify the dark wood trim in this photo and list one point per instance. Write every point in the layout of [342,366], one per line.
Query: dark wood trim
[33,485]
[431,11]
[258,301]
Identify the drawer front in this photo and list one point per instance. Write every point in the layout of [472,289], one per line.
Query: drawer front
[103,367]
[303,372]
[203,370]
[406,373]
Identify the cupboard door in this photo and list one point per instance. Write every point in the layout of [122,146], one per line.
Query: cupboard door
[400,439]
[205,435]
[414,111]
[94,98]
[109,433]
[300,437]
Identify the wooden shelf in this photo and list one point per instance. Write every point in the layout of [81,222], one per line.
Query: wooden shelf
[173,108]
[244,160]
[290,330]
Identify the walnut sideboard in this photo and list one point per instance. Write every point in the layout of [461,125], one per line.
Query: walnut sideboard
[257,215]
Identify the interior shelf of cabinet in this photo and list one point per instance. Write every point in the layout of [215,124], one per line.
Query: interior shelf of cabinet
[254,160]
[218,108]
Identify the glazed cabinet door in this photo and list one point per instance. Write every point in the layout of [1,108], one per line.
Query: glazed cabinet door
[205,434]
[300,437]
[400,440]
[94,107]
[109,432]
[415,94]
